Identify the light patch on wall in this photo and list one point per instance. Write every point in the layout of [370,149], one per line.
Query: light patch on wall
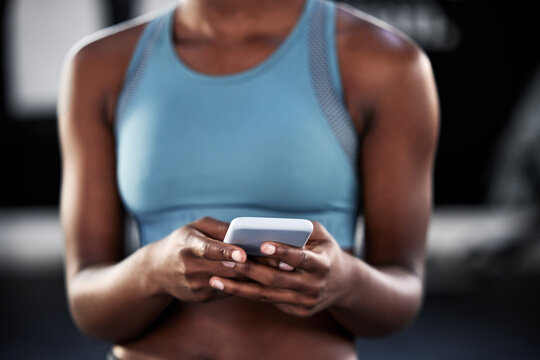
[39,35]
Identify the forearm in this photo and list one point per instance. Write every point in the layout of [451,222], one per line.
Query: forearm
[377,301]
[116,301]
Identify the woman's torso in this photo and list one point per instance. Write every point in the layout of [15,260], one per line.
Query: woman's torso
[234,327]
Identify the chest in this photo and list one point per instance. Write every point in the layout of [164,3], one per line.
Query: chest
[233,57]
[190,146]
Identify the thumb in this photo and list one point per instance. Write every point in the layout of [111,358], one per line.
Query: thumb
[211,227]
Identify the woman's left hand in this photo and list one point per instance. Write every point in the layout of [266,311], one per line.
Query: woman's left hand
[305,282]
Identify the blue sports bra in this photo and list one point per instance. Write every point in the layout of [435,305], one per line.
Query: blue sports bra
[275,140]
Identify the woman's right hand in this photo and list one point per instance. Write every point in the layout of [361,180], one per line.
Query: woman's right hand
[184,261]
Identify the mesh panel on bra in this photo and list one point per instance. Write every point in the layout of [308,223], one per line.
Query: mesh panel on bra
[319,66]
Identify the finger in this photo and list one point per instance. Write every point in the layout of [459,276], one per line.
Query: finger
[319,231]
[200,270]
[299,311]
[298,258]
[319,237]
[205,247]
[211,227]
[272,277]
[259,292]
[266,260]
[285,267]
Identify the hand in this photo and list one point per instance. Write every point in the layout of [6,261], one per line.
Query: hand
[183,262]
[305,282]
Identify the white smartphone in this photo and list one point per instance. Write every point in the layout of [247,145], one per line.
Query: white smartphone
[250,232]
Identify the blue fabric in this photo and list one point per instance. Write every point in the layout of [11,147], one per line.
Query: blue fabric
[253,143]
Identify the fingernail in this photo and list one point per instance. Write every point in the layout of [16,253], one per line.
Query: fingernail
[229,264]
[216,284]
[237,256]
[286,267]
[268,249]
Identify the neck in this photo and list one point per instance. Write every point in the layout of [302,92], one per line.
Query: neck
[236,18]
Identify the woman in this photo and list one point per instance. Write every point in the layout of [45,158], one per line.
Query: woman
[224,108]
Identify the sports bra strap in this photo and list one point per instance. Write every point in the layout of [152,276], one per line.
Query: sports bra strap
[325,77]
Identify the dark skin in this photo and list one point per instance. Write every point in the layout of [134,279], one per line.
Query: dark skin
[189,295]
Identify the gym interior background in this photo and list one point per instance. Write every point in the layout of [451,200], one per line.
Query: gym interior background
[483,264]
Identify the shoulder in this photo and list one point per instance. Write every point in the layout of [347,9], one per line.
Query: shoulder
[95,66]
[359,26]
[367,38]
[375,56]
[108,46]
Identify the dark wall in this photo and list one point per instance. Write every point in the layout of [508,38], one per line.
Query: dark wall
[479,83]
[479,86]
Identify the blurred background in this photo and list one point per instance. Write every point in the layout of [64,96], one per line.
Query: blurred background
[483,263]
